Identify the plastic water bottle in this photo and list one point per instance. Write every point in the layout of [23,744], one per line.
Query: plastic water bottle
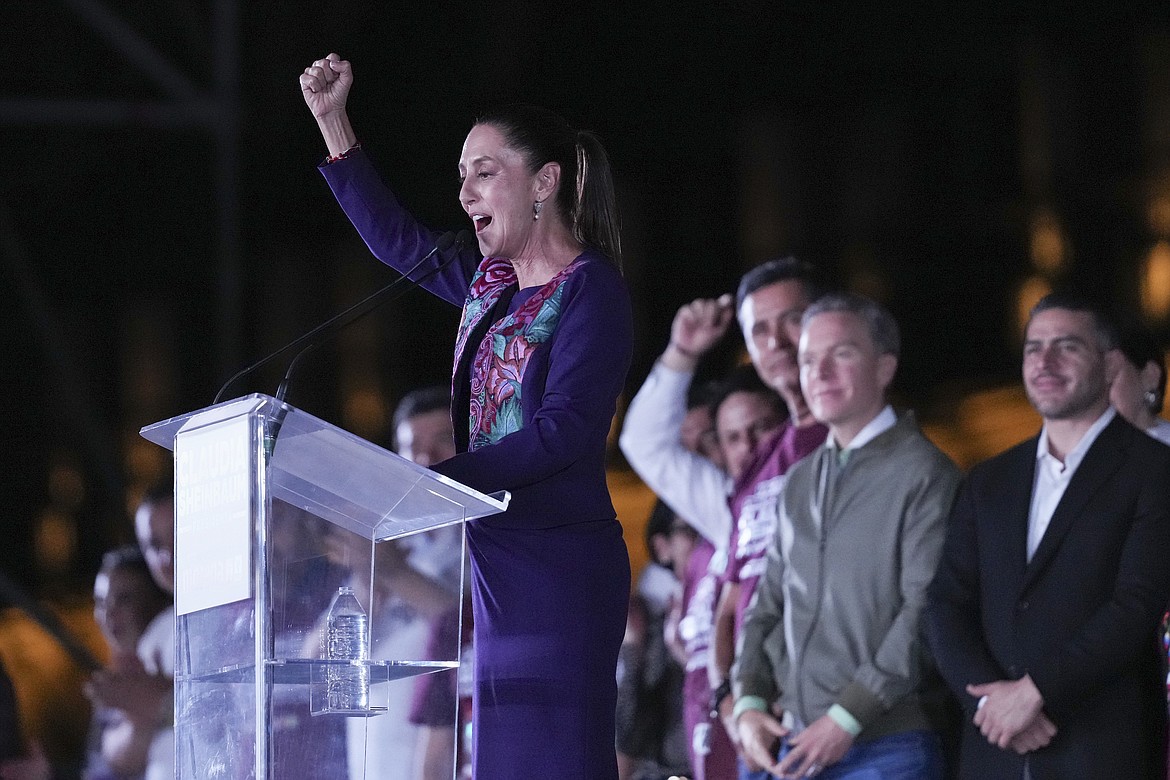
[347,639]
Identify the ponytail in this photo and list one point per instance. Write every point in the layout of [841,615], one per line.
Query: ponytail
[594,214]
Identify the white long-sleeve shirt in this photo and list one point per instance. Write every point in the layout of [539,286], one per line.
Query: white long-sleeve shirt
[694,487]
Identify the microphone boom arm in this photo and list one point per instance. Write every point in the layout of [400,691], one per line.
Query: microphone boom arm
[344,318]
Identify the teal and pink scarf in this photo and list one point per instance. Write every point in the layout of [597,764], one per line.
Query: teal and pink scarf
[497,373]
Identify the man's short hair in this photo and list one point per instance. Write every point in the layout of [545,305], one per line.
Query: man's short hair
[660,522]
[1139,347]
[161,490]
[744,379]
[1103,326]
[780,269]
[130,558]
[702,394]
[422,401]
[882,327]
[125,557]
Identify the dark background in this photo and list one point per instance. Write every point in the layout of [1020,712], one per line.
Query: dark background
[910,149]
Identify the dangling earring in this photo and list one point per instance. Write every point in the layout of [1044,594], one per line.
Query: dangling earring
[536,207]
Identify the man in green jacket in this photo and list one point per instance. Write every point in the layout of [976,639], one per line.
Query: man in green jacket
[830,676]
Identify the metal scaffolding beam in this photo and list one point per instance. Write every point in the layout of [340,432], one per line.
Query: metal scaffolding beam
[214,110]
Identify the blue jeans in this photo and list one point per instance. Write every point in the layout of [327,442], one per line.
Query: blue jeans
[909,755]
[747,774]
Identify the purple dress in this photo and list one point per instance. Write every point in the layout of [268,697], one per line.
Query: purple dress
[533,402]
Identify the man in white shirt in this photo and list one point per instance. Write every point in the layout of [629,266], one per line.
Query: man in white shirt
[1044,614]
[736,515]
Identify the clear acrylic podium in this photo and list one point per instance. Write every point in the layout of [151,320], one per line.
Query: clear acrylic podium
[266,531]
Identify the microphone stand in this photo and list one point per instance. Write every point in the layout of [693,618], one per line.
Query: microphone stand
[349,315]
[318,335]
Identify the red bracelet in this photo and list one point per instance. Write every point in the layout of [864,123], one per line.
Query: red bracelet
[335,157]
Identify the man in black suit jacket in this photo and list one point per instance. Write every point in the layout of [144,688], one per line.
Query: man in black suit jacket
[1044,614]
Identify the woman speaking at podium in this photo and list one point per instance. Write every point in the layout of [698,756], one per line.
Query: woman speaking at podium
[541,355]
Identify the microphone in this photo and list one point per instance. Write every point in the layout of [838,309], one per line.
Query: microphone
[331,327]
[359,309]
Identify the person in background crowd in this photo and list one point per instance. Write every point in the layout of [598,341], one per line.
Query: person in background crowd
[745,412]
[422,428]
[413,599]
[690,602]
[697,432]
[126,599]
[651,736]
[1044,615]
[441,706]
[142,687]
[1139,389]
[423,434]
[688,633]
[736,517]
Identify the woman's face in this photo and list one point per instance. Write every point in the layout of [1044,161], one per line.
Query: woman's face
[498,193]
[123,607]
[1127,393]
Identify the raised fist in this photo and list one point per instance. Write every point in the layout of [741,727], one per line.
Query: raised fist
[700,324]
[325,85]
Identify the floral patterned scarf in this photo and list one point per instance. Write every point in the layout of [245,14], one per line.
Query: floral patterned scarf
[497,373]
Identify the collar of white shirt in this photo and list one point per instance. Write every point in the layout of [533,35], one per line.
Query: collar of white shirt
[1077,453]
[885,420]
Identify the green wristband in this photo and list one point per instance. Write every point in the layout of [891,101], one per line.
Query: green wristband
[745,703]
[843,718]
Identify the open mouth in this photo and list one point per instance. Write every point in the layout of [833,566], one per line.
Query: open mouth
[481,221]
